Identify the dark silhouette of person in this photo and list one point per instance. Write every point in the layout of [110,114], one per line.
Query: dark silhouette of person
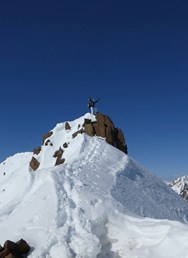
[91,105]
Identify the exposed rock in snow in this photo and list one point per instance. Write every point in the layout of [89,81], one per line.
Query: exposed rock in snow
[104,127]
[14,250]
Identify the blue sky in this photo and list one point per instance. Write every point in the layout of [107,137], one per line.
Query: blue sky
[133,55]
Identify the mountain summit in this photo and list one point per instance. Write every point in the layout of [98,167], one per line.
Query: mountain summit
[97,203]
[57,140]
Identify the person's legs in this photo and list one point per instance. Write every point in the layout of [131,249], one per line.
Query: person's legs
[92,110]
[95,111]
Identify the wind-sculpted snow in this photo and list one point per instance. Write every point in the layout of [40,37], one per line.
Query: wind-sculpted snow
[153,198]
[91,206]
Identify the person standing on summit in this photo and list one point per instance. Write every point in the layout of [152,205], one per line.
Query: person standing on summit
[91,105]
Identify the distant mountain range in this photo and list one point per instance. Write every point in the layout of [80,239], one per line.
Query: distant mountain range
[180,186]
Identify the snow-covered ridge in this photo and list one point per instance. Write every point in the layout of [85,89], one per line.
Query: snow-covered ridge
[59,136]
[55,143]
[95,205]
[180,186]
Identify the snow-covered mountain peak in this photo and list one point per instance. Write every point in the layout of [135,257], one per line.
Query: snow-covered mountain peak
[56,148]
[180,186]
[97,203]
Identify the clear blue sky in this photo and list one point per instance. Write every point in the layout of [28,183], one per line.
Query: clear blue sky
[133,55]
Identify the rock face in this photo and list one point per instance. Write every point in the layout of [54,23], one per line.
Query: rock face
[76,133]
[14,250]
[104,127]
[47,135]
[37,150]
[34,164]
[58,155]
[67,126]
[65,145]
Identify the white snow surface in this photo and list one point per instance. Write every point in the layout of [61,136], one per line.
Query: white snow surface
[99,204]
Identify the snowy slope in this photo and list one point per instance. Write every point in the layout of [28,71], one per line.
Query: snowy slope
[91,206]
[58,138]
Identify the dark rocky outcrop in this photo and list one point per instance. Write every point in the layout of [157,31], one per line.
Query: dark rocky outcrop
[76,133]
[58,155]
[120,141]
[67,126]
[37,150]
[22,247]
[59,161]
[46,135]
[88,128]
[34,163]
[48,142]
[14,250]
[104,127]
[65,145]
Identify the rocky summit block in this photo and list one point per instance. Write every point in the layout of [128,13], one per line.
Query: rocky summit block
[104,127]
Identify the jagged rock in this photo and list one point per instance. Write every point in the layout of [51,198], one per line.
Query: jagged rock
[100,129]
[47,135]
[65,145]
[105,120]
[14,250]
[22,247]
[34,164]
[67,126]
[4,253]
[9,245]
[59,161]
[120,141]
[89,129]
[110,136]
[104,127]
[76,133]
[79,126]
[37,150]
[48,142]
[58,155]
